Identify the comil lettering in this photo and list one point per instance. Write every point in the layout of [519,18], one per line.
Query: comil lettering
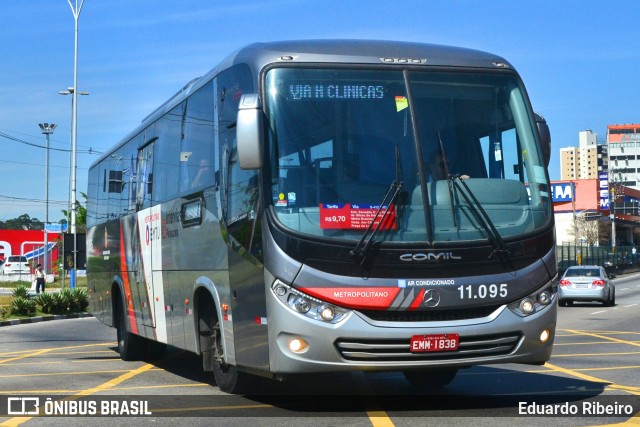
[429,257]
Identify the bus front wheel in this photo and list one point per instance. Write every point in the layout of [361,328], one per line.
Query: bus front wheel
[228,378]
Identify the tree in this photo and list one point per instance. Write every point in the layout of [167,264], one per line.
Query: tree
[23,222]
[586,229]
[81,215]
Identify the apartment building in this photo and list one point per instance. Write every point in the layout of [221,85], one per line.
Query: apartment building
[584,161]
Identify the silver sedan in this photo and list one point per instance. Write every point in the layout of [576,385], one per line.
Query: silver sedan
[586,283]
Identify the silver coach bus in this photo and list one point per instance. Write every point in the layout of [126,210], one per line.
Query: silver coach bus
[321,206]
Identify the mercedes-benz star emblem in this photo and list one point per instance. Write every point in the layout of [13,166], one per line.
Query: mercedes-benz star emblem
[431,298]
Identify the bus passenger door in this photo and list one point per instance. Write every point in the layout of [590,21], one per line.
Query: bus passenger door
[246,274]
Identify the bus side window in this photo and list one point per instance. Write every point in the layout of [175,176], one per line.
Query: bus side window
[241,200]
[198,152]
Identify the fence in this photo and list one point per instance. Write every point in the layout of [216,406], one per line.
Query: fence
[620,261]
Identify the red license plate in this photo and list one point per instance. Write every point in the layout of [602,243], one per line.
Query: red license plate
[442,342]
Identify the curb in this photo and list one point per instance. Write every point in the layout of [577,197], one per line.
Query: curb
[44,319]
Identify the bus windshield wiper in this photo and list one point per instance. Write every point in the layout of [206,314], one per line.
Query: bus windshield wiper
[445,164]
[499,247]
[359,253]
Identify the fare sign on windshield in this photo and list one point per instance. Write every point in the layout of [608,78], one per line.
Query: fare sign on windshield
[356,216]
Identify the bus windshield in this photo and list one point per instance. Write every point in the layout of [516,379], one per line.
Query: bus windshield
[456,142]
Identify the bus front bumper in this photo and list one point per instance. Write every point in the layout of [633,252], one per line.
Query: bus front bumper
[298,344]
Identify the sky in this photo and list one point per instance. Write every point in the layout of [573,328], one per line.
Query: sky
[578,59]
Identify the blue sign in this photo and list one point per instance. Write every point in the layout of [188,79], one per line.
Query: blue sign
[603,178]
[562,192]
[56,228]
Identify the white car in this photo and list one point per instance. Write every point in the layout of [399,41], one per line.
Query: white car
[586,283]
[16,264]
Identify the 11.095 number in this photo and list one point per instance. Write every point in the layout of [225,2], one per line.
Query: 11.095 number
[483,291]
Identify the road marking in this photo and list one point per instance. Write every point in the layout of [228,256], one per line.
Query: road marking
[55,374]
[595,354]
[116,355]
[598,312]
[48,350]
[214,408]
[596,335]
[49,362]
[116,381]
[582,343]
[601,332]
[379,419]
[10,392]
[609,384]
[613,368]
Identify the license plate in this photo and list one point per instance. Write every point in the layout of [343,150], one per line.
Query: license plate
[582,285]
[427,343]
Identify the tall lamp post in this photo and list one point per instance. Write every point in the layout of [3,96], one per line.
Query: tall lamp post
[75,9]
[70,91]
[46,129]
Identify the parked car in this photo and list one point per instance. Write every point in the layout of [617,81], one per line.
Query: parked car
[16,264]
[586,283]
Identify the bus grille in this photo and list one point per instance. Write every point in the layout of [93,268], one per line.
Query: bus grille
[429,316]
[397,350]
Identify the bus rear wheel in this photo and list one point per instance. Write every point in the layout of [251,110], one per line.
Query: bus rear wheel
[130,346]
[434,378]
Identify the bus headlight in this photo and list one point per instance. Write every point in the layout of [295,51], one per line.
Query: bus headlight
[327,313]
[535,301]
[302,305]
[306,305]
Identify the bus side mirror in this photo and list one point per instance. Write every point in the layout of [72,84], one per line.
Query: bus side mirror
[545,137]
[249,132]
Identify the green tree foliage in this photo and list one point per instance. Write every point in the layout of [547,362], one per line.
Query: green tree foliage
[81,215]
[23,222]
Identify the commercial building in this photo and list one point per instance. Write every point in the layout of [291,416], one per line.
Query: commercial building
[624,154]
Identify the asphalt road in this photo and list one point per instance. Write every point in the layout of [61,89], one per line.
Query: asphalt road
[595,360]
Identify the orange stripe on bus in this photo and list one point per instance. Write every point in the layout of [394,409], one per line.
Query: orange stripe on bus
[127,288]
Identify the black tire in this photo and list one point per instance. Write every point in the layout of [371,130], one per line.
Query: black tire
[611,300]
[228,378]
[562,303]
[130,346]
[430,379]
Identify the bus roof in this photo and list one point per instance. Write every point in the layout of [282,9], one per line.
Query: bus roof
[368,52]
[364,52]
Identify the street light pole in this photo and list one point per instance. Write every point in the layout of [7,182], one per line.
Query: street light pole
[74,138]
[70,91]
[46,129]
